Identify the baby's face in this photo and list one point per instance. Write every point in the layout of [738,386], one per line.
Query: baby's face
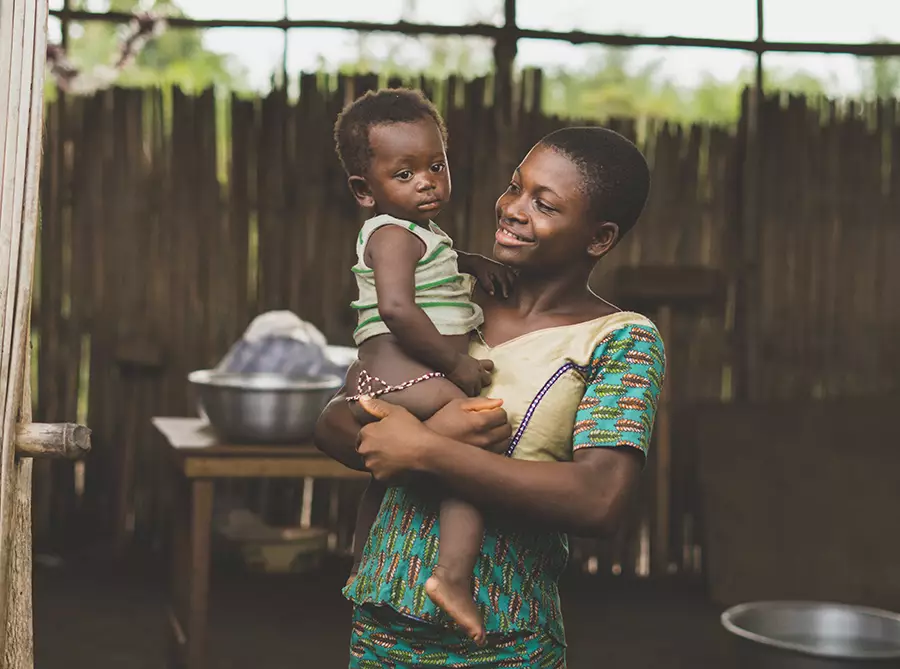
[408,174]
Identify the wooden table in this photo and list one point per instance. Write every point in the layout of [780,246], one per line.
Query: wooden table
[198,458]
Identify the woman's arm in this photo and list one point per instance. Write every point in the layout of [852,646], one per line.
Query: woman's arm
[586,497]
[478,422]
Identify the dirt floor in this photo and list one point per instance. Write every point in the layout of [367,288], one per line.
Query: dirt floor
[96,615]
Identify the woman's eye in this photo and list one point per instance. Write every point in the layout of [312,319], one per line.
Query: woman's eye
[513,187]
[543,206]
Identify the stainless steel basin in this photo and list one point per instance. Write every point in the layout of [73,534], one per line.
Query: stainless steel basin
[263,408]
[813,635]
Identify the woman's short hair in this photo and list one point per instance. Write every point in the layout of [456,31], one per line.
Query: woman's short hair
[615,173]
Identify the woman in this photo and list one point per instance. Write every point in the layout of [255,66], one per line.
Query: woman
[579,380]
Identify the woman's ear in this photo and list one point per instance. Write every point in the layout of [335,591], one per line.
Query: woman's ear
[361,191]
[605,237]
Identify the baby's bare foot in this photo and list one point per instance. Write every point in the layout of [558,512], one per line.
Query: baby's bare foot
[456,599]
[354,570]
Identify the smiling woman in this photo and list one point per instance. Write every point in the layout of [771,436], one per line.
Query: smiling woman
[579,381]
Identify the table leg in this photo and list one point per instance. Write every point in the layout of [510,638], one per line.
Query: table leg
[202,498]
[190,576]
[181,568]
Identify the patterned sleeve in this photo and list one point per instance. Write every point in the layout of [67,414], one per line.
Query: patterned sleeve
[625,378]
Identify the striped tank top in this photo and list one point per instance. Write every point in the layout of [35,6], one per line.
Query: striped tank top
[442,292]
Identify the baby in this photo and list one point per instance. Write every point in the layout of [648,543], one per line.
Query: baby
[415,312]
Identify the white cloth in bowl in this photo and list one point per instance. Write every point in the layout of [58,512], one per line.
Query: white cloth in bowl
[279,342]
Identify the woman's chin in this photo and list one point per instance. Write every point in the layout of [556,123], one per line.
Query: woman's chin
[509,255]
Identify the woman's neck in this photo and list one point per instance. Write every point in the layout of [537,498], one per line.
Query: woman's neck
[536,294]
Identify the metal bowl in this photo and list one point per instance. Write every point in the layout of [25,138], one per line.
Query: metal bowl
[263,408]
[813,635]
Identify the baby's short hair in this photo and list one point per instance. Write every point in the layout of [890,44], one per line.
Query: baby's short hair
[386,106]
[615,173]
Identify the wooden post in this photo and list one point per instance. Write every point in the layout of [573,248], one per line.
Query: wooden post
[284,53]
[505,47]
[661,546]
[23,46]
[760,41]
[746,327]
[65,23]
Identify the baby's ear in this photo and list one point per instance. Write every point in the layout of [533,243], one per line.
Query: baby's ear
[605,237]
[361,191]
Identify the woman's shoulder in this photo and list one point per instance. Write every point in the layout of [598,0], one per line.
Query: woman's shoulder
[619,323]
[586,341]
[625,329]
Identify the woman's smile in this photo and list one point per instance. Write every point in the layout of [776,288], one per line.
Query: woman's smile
[506,237]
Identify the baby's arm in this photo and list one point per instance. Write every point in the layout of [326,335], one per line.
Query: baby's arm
[393,253]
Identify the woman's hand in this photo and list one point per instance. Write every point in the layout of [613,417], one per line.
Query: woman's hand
[398,444]
[394,446]
[479,421]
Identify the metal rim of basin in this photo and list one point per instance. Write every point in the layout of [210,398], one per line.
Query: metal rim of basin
[728,616]
[263,382]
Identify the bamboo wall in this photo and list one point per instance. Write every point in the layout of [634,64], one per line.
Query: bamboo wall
[170,221]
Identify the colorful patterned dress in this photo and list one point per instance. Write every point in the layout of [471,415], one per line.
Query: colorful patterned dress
[590,385]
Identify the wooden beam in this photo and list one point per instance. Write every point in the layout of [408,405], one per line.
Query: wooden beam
[495,32]
[53,440]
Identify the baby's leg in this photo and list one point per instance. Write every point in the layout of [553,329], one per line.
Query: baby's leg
[369,506]
[450,584]
[381,357]
[461,526]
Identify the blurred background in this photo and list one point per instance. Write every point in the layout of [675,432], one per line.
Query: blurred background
[193,186]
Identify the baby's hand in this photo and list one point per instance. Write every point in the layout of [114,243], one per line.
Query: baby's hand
[491,275]
[471,375]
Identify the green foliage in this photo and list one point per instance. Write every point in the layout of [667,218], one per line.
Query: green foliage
[881,76]
[612,83]
[176,57]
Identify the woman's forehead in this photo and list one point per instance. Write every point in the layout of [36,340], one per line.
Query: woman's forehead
[547,168]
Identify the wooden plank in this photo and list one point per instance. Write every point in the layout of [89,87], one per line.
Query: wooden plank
[22,49]
[195,433]
[257,467]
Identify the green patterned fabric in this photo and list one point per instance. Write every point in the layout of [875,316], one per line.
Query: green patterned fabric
[619,404]
[381,638]
[517,573]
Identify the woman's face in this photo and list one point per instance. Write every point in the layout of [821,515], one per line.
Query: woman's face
[543,221]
